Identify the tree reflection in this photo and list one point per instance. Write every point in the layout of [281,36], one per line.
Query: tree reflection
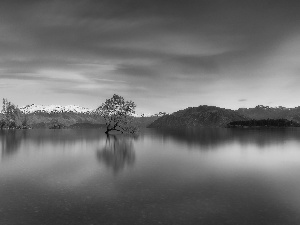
[117,153]
[209,138]
[10,142]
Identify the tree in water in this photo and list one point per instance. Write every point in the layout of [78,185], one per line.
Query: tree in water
[118,114]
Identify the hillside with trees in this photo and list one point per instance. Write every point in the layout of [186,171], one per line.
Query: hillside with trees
[201,116]
[11,116]
[264,123]
[64,119]
[76,117]
[57,117]
[265,112]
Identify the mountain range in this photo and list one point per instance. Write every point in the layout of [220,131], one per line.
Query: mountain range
[72,116]
[50,109]
[266,112]
[33,108]
[212,116]
[44,116]
[201,116]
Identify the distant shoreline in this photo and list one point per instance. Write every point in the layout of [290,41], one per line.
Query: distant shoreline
[265,123]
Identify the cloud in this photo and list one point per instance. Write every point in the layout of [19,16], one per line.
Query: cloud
[242,100]
[136,70]
[195,50]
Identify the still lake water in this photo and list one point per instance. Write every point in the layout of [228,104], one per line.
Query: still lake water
[211,176]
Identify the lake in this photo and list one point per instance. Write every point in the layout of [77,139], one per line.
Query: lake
[205,176]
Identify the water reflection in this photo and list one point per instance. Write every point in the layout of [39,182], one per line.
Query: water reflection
[53,177]
[209,138]
[117,152]
[10,142]
[13,140]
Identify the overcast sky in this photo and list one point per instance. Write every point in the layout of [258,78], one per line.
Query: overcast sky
[165,55]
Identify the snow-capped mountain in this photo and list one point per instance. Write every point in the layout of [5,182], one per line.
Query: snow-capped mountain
[54,109]
[33,108]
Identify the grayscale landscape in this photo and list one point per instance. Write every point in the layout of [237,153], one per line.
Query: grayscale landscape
[121,112]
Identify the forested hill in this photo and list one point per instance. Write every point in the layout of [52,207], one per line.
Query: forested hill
[202,116]
[77,120]
[57,117]
[66,119]
[264,123]
[39,116]
[264,112]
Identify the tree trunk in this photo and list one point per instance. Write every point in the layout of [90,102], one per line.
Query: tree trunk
[107,130]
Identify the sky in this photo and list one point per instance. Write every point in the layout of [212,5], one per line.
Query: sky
[165,55]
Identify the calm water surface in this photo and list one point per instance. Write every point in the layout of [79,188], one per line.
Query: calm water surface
[212,176]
